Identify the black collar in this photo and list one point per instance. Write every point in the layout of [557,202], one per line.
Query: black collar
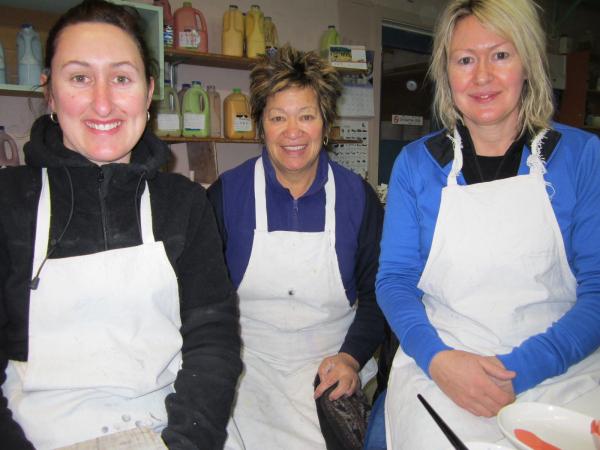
[440,146]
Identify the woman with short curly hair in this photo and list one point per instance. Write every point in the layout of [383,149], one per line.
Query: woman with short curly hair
[301,238]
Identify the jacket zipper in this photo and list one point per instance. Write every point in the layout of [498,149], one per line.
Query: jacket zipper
[102,207]
[295,219]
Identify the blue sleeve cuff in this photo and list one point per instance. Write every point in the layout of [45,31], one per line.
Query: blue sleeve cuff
[422,344]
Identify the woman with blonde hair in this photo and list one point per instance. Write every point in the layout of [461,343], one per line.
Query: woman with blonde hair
[490,269]
[301,237]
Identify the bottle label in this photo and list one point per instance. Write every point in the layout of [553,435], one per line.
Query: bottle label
[193,121]
[242,123]
[189,39]
[167,121]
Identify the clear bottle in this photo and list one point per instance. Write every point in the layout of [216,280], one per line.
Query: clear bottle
[214,101]
[255,37]
[232,37]
[9,154]
[168,117]
[236,116]
[29,55]
[182,91]
[196,111]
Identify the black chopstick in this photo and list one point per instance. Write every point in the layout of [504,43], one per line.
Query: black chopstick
[453,438]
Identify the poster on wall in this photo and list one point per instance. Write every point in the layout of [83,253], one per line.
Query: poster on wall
[357,97]
[353,156]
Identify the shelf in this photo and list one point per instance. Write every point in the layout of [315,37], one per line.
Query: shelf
[178,56]
[18,90]
[220,140]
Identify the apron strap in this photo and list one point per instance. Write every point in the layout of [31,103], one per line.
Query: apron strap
[146,216]
[260,199]
[42,227]
[260,196]
[457,161]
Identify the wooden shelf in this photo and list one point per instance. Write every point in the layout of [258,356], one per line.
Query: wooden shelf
[178,56]
[220,140]
[17,90]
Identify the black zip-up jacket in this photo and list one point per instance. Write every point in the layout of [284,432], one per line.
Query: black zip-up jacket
[105,201]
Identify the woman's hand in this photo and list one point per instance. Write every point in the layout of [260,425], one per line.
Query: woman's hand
[342,369]
[479,384]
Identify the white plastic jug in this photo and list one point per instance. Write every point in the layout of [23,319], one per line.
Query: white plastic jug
[168,117]
[9,154]
[29,55]
[2,66]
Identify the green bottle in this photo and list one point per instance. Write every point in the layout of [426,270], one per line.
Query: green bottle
[330,37]
[196,111]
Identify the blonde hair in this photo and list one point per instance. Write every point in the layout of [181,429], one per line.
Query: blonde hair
[294,68]
[515,20]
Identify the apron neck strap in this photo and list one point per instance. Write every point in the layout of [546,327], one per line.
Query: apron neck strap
[535,161]
[457,161]
[42,228]
[146,216]
[260,198]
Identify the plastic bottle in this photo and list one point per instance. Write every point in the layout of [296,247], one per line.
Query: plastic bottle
[168,117]
[214,101]
[29,55]
[255,36]
[232,37]
[330,37]
[167,14]
[9,154]
[190,29]
[196,111]
[2,66]
[167,22]
[271,37]
[181,93]
[236,116]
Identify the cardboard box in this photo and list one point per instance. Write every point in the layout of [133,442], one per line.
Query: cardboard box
[348,56]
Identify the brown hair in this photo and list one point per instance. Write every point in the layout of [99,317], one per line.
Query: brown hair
[294,68]
[99,11]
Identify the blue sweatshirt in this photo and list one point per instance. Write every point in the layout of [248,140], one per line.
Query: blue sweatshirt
[419,174]
[359,219]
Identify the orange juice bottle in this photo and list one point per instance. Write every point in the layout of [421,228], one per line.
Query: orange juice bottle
[236,116]
[255,35]
[232,38]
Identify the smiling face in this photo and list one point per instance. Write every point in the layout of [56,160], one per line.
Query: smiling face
[99,92]
[486,76]
[293,131]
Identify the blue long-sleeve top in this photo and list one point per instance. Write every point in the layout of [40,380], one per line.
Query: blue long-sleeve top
[419,174]
[359,220]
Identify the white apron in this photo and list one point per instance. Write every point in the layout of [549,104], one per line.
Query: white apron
[294,312]
[104,340]
[497,273]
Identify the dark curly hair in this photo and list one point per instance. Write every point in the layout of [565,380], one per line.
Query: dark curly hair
[294,68]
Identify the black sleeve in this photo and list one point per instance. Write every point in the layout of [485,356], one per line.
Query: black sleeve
[367,329]
[215,196]
[199,409]
[11,434]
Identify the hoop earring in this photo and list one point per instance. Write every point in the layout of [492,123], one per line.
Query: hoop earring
[53,117]
[326,140]
[147,116]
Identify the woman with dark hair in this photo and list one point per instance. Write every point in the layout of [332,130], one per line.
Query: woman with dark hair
[116,311]
[301,237]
